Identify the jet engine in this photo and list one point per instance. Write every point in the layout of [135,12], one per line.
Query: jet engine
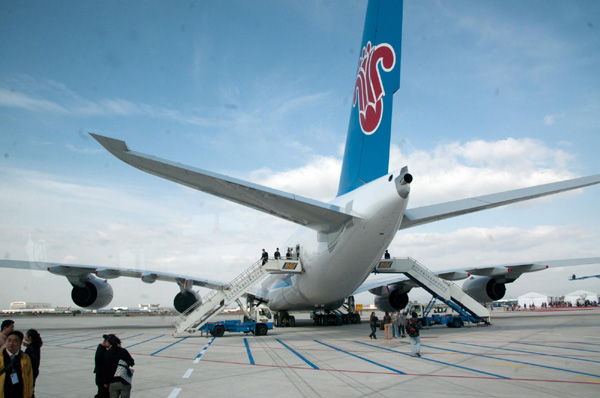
[93,293]
[185,299]
[484,289]
[393,301]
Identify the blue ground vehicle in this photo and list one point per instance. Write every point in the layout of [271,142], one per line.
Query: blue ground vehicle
[218,329]
[451,320]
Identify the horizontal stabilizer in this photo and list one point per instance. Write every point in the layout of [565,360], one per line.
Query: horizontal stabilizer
[441,211]
[307,212]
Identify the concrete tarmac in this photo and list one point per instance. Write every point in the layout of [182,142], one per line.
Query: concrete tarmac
[523,354]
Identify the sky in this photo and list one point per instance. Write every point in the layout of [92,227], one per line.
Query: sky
[494,96]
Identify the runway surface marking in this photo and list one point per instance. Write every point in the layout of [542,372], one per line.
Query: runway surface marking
[359,357]
[556,346]
[170,345]
[513,360]
[250,358]
[583,378]
[404,374]
[145,341]
[188,374]
[530,352]
[312,365]
[174,393]
[509,364]
[436,361]
[199,356]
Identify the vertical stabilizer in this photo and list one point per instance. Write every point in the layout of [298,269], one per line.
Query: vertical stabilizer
[367,152]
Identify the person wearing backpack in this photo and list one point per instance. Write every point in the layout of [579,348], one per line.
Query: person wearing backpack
[413,326]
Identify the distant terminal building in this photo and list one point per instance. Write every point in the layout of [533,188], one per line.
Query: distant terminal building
[150,307]
[27,306]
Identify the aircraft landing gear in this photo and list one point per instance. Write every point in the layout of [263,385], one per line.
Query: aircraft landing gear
[284,319]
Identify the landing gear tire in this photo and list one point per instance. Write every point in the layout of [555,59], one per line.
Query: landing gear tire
[218,331]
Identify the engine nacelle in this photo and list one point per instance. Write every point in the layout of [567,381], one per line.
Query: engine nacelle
[95,293]
[184,300]
[484,289]
[393,301]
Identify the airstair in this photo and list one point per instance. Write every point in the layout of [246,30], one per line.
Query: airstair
[217,300]
[445,291]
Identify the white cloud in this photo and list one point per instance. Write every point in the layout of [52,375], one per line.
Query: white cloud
[456,170]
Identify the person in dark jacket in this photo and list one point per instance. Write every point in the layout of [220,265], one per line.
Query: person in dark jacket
[34,344]
[99,367]
[373,323]
[117,372]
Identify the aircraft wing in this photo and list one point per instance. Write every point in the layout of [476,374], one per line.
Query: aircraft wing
[77,271]
[441,211]
[300,210]
[507,272]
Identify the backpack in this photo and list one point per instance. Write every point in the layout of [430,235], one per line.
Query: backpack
[413,328]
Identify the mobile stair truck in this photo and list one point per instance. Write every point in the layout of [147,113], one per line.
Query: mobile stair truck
[467,308]
[198,317]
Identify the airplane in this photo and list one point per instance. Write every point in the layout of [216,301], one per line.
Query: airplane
[341,241]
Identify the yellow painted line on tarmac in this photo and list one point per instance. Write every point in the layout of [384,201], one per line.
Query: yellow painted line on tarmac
[584,379]
[509,364]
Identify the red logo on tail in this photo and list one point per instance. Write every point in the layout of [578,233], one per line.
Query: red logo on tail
[368,89]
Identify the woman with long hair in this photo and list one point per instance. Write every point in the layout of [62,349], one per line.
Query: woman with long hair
[34,344]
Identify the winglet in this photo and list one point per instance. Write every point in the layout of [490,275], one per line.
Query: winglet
[112,145]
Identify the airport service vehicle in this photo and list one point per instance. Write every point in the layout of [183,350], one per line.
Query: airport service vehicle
[257,321]
[451,320]
[218,329]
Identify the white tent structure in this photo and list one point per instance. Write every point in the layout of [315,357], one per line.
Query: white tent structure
[532,298]
[580,294]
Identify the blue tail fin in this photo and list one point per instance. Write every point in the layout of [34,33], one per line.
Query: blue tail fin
[367,152]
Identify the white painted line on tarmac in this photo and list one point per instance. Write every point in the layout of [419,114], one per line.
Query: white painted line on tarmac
[203,350]
[188,373]
[174,393]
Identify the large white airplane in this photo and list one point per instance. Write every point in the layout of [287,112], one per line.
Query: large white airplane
[340,242]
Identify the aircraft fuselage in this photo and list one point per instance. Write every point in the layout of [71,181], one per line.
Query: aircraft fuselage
[338,259]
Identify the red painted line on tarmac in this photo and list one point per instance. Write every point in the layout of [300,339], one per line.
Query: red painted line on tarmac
[355,371]
[405,374]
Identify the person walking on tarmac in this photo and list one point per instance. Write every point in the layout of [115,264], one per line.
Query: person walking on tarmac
[413,327]
[373,323]
[401,324]
[387,325]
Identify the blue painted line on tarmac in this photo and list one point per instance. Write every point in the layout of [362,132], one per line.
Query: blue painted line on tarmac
[123,338]
[530,352]
[312,365]
[199,356]
[584,343]
[512,360]
[436,361]
[79,341]
[364,359]
[145,341]
[170,345]
[71,337]
[250,358]
[556,346]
